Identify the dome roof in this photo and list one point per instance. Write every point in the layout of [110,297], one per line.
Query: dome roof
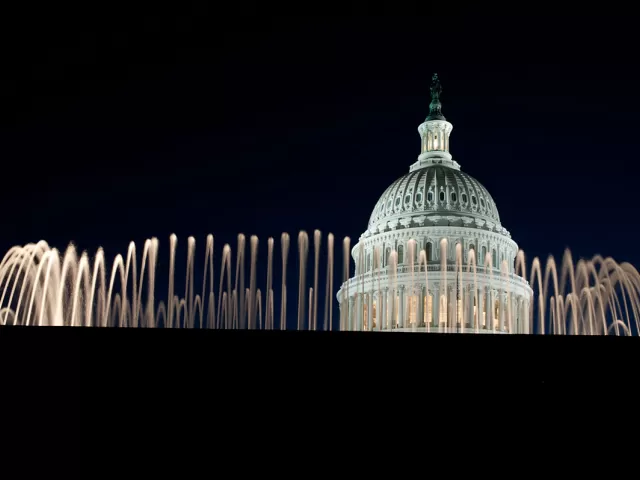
[435,195]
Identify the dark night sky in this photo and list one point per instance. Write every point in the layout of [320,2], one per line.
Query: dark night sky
[124,125]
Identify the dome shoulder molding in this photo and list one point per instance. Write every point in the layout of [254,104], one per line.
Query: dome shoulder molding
[423,235]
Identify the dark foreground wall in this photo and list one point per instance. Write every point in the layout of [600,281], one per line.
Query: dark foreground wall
[249,392]
[274,363]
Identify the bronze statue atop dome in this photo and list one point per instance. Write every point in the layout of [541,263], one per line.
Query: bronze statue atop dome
[435,106]
[436,88]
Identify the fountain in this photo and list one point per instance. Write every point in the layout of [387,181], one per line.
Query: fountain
[41,287]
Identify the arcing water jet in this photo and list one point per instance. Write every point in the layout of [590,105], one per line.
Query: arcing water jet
[40,287]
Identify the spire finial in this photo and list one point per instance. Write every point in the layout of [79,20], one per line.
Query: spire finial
[435,106]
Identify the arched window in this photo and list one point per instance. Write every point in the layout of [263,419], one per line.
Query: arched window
[387,256]
[472,248]
[429,251]
[400,254]
[483,256]
[494,256]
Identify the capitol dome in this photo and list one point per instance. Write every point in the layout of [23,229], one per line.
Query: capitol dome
[435,195]
[435,256]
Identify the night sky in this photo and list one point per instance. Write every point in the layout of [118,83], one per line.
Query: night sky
[128,125]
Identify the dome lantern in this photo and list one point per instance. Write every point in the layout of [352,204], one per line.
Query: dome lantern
[435,132]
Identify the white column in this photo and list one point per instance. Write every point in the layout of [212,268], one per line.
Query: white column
[436,306]
[428,309]
[401,318]
[470,296]
[378,313]
[420,305]
[383,317]
[420,317]
[351,314]
[502,310]
[448,306]
[391,320]
[370,311]
[521,315]
[356,313]
[484,317]
[452,306]
[480,306]
[393,293]
[514,315]
[490,307]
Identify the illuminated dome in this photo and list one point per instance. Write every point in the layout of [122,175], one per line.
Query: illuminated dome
[435,257]
[435,195]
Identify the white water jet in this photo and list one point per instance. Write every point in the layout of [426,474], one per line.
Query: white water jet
[283,299]
[328,304]
[303,251]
